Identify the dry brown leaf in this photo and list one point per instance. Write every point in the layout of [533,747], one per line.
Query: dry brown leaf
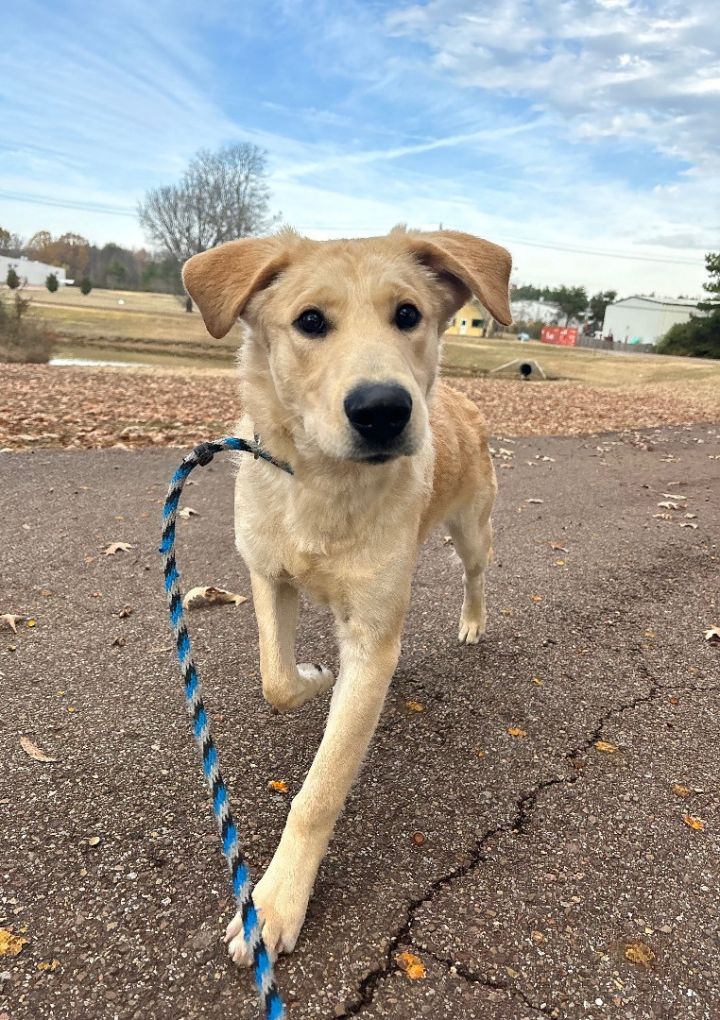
[664,516]
[93,840]
[125,612]
[415,706]
[411,966]
[49,965]
[116,547]
[278,786]
[558,547]
[712,634]
[211,596]
[534,500]
[11,620]
[516,731]
[419,838]
[688,524]
[536,598]
[11,945]
[536,680]
[673,495]
[669,504]
[34,751]
[605,746]
[680,790]
[639,953]
[187,511]
[694,823]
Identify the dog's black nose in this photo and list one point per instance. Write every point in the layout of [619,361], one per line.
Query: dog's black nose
[378,411]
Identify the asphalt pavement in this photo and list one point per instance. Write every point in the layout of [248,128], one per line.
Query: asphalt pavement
[538,820]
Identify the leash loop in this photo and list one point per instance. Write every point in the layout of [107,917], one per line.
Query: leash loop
[272,1004]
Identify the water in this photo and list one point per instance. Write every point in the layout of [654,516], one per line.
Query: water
[90,356]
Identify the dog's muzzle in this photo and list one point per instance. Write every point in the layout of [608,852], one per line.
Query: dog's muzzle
[378,413]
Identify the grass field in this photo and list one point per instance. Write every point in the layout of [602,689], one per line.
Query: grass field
[155,327]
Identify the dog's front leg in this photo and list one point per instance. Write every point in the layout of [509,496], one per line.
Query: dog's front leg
[285,684]
[367,663]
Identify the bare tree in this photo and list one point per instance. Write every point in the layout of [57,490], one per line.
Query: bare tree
[222,195]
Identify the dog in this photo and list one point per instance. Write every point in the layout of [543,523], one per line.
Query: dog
[339,377]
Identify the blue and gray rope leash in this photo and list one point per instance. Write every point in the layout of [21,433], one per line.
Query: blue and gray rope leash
[272,1004]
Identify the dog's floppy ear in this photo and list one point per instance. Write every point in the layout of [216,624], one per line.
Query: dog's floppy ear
[222,280]
[481,266]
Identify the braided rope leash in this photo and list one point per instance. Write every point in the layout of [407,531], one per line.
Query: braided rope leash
[272,1004]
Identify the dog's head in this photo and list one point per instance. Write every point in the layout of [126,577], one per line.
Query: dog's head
[344,336]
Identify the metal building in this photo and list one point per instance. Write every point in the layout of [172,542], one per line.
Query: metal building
[32,273]
[645,320]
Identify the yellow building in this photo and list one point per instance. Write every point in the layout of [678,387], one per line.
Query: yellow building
[473,319]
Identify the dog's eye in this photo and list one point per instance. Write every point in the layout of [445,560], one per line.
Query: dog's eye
[311,322]
[407,316]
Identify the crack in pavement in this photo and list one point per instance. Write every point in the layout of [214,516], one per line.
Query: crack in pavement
[475,978]
[518,825]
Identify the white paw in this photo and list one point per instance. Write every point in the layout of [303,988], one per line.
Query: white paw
[311,680]
[471,631]
[281,904]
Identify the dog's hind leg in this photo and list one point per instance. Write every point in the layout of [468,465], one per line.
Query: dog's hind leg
[471,532]
[286,685]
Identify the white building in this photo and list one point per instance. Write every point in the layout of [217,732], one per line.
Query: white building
[32,273]
[536,310]
[645,320]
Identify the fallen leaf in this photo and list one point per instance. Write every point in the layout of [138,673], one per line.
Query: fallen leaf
[116,547]
[411,965]
[515,731]
[187,512]
[691,517]
[558,547]
[536,598]
[51,965]
[534,500]
[688,524]
[125,612]
[673,495]
[208,595]
[31,623]
[680,791]
[668,504]
[71,709]
[93,840]
[419,838]
[11,945]
[639,953]
[415,706]
[664,517]
[559,563]
[537,680]
[278,786]
[712,634]
[694,823]
[34,751]
[117,642]
[10,620]
[605,746]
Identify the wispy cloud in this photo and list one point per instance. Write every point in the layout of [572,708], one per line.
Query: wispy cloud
[584,123]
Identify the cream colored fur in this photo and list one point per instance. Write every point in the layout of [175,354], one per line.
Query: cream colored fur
[345,531]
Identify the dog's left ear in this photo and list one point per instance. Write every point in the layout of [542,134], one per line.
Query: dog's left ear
[481,267]
[222,280]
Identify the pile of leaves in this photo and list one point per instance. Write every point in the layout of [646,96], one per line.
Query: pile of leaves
[43,406]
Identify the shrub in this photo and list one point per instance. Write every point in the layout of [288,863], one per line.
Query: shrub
[12,279]
[86,285]
[51,282]
[22,340]
[698,338]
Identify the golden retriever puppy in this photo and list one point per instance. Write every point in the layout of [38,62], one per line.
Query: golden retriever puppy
[339,378]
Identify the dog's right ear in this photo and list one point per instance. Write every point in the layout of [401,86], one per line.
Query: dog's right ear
[222,280]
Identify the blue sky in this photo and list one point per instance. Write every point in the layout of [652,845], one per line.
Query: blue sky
[564,129]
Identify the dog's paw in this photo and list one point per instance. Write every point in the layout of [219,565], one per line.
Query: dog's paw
[310,680]
[314,680]
[471,631]
[281,905]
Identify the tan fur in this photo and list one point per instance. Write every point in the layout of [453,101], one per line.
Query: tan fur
[344,530]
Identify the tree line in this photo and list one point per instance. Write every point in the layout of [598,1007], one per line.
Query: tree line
[572,301]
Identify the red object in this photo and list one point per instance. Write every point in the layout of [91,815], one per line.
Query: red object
[563,336]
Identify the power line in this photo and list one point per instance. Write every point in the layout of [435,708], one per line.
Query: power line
[116,210]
